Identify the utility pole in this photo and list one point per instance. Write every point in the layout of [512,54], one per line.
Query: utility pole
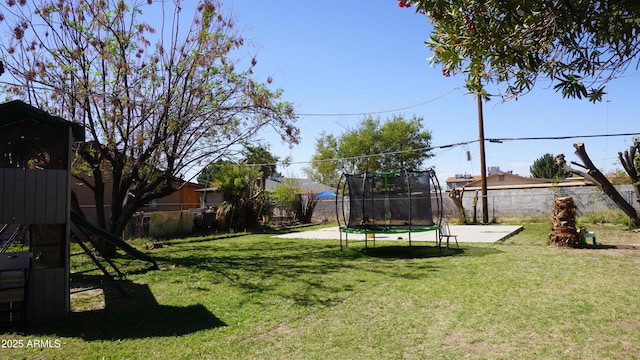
[483,164]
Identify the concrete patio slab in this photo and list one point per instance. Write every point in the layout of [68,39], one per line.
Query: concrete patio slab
[466,234]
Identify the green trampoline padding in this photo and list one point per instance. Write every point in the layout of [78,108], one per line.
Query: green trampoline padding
[390,230]
[390,202]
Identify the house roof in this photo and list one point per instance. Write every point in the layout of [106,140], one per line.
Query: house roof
[304,185]
[462,178]
[507,180]
[16,111]
[208,189]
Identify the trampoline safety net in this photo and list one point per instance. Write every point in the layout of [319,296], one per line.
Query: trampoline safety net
[389,201]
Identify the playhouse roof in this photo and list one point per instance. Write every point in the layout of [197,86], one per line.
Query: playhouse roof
[16,111]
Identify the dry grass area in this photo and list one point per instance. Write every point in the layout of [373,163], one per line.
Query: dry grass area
[609,234]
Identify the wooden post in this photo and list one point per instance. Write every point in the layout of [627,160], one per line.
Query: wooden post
[483,164]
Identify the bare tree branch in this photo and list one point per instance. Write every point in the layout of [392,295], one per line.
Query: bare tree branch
[594,175]
[153,104]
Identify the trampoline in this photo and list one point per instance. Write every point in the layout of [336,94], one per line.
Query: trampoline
[388,202]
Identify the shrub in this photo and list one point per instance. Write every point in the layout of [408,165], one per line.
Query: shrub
[608,216]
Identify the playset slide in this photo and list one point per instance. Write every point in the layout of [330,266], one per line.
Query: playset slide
[82,222]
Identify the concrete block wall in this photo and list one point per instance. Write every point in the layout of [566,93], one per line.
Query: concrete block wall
[539,201]
[514,202]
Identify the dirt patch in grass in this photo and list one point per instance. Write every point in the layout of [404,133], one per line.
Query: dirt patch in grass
[627,325]
[87,299]
[460,341]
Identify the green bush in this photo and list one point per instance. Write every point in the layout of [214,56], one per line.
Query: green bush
[608,216]
[533,219]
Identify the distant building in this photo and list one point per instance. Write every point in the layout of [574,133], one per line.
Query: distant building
[210,197]
[183,199]
[305,186]
[460,180]
[496,170]
[325,209]
[504,179]
[508,180]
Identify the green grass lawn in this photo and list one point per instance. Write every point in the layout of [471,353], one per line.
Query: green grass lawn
[536,232]
[258,297]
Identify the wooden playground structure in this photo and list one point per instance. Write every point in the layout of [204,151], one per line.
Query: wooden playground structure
[35,163]
[35,215]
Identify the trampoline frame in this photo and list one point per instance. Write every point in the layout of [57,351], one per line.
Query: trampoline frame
[370,231]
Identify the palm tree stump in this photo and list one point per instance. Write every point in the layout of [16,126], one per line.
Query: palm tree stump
[563,230]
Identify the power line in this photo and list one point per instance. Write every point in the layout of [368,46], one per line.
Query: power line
[451,145]
[432,99]
[435,97]
[499,140]
[286,163]
[495,140]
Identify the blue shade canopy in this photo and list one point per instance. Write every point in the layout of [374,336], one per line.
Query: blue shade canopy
[325,194]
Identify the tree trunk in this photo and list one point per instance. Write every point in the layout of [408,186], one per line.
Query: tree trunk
[305,204]
[630,161]
[456,196]
[563,229]
[104,247]
[593,174]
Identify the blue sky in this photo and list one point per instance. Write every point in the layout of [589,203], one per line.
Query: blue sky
[355,57]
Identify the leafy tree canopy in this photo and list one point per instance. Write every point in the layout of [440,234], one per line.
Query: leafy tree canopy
[257,155]
[286,194]
[209,172]
[546,167]
[324,168]
[237,182]
[396,144]
[243,198]
[158,95]
[252,155]
[579,44]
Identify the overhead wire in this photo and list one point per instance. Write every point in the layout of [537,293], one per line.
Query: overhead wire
[499,140]
[431,99]
[446,146]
